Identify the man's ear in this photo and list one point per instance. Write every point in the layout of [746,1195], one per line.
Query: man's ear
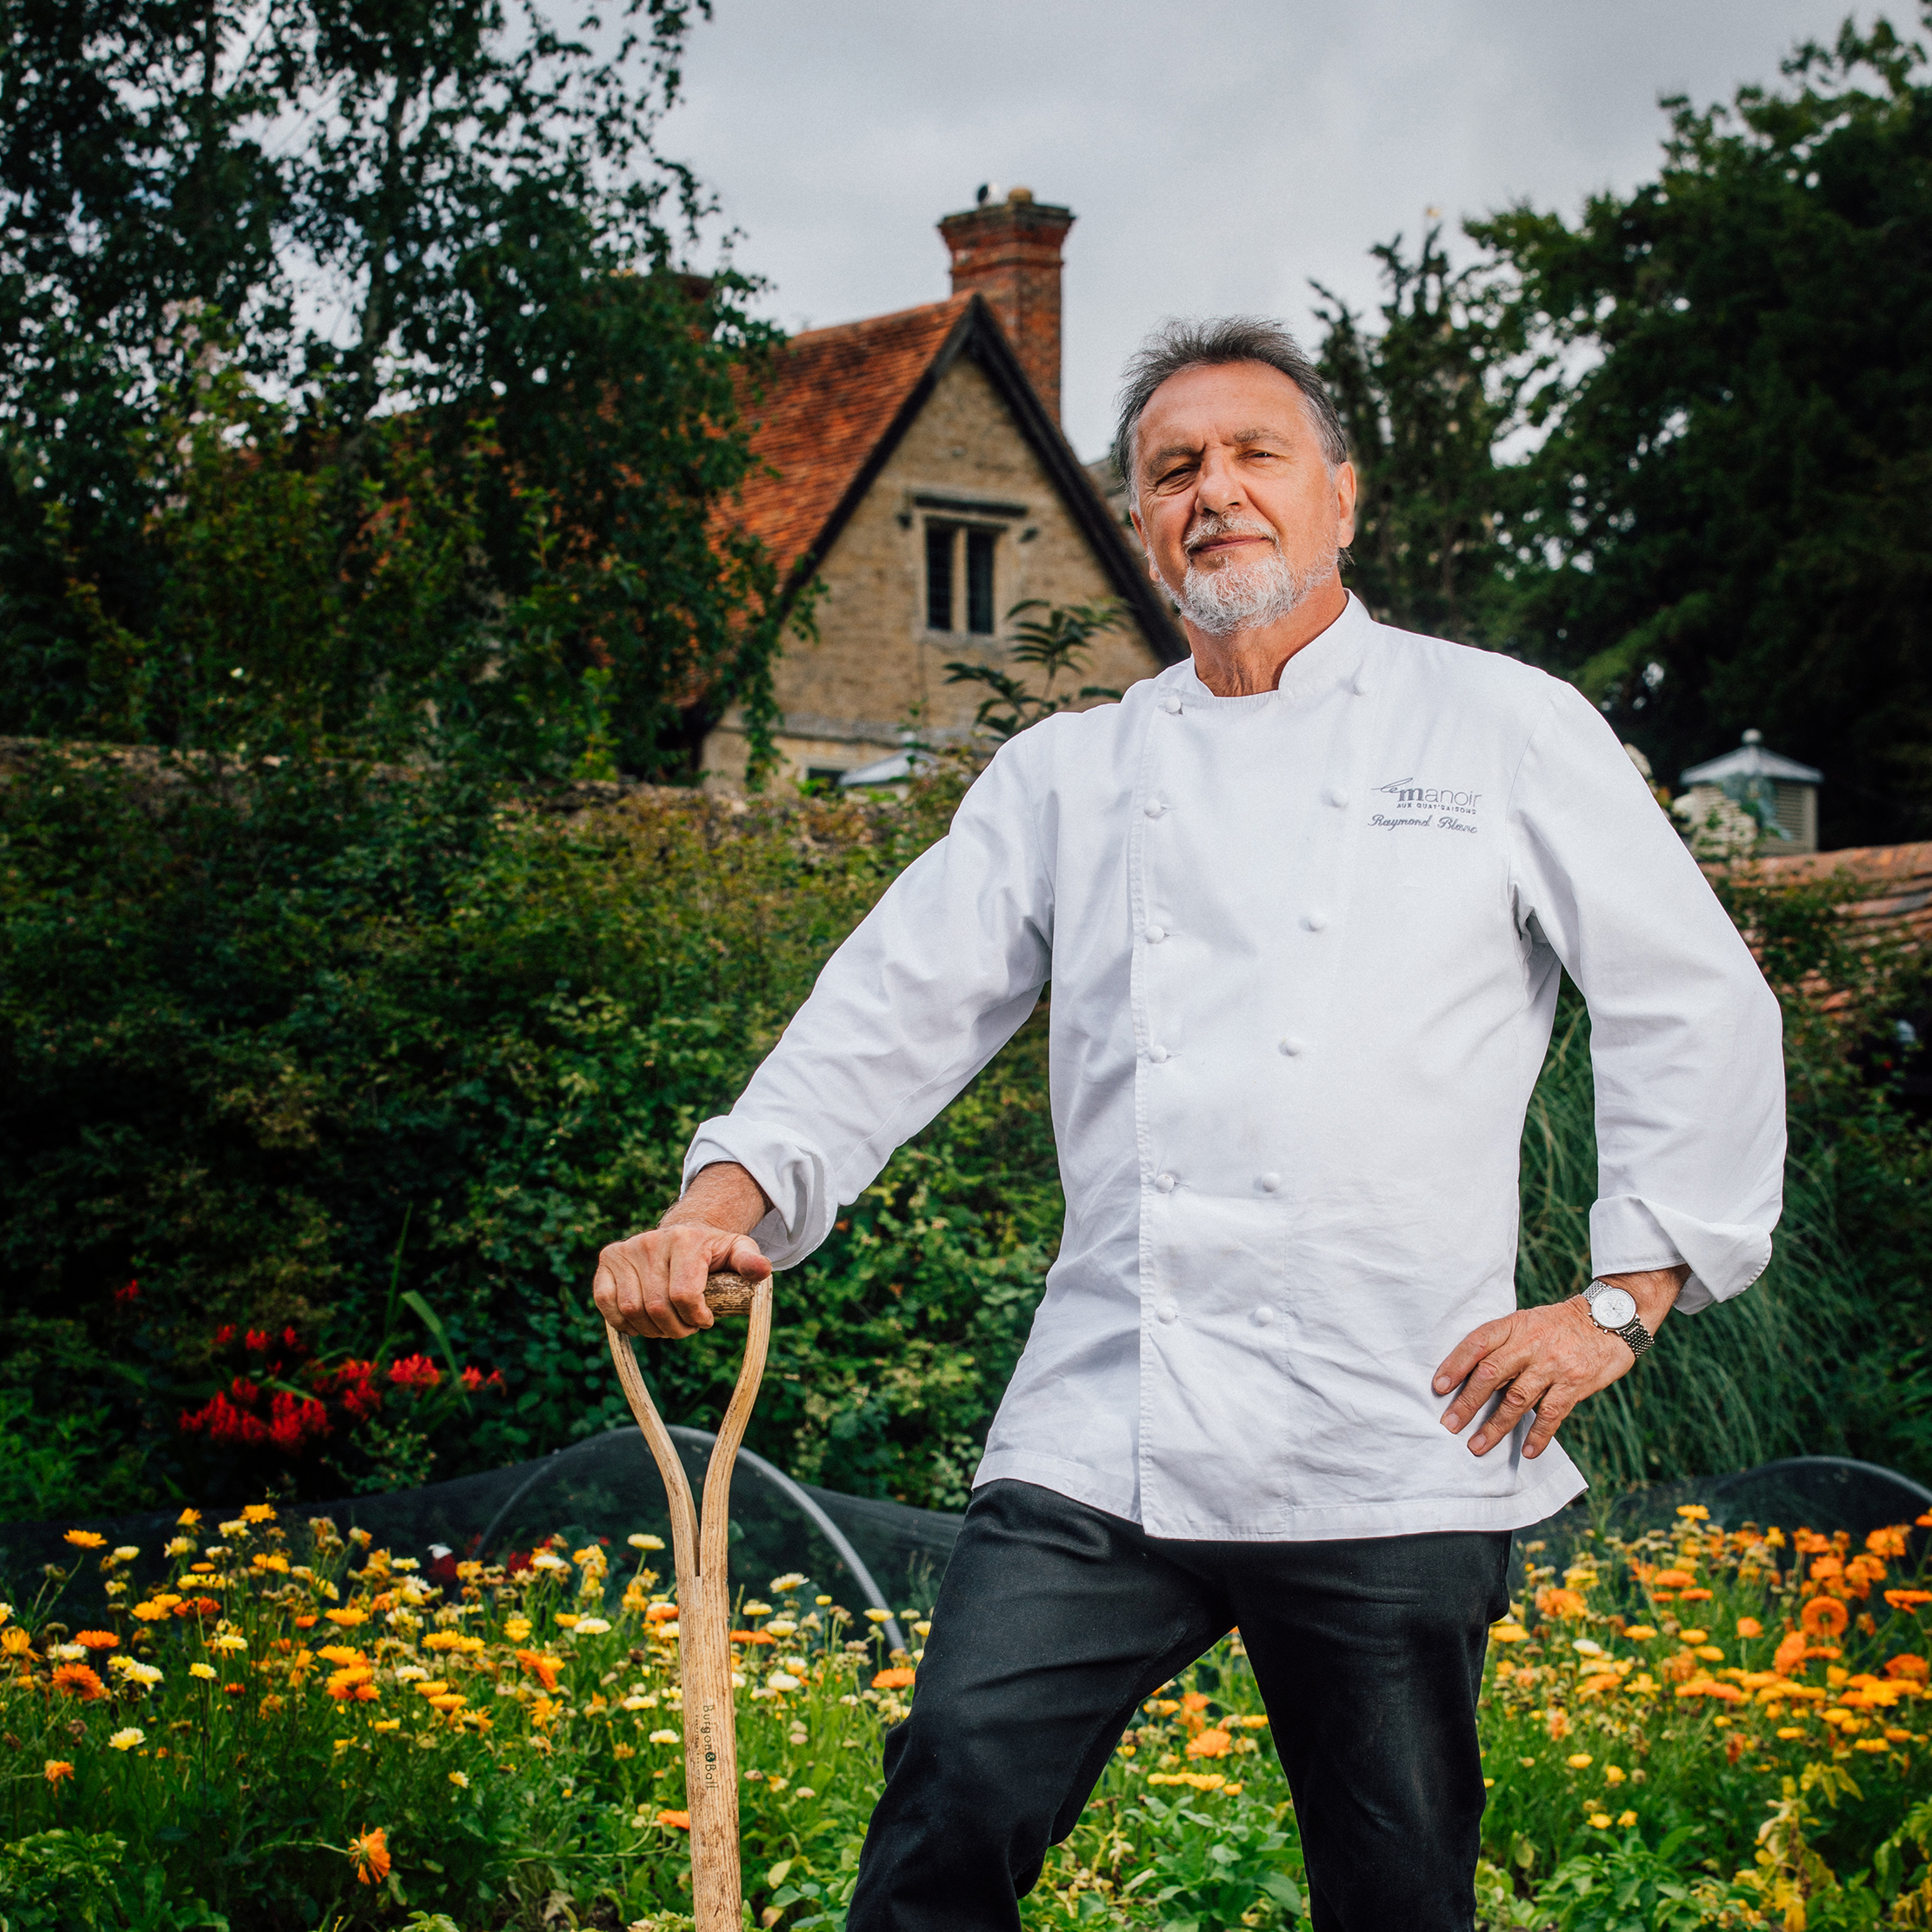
[1147,549]
[1345,502]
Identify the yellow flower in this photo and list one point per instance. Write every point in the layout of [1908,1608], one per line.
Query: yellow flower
[516,1629]
[57,1768]
[1507,1633]
[460,1779]
[14,1642]
[663,1737]
[1639,1633]
[125,1741]
[821,1600]
[871,1616]
[387,1724]
[567,1619]
[348,1618]
[188,1518]
[207,1672]
[1694,1512]
[638,1540]
[1789,1731]
[783,1586]
[257,1512]
[1600,1820]
[1578,1760]
[1614,1773]
[84,1539]
[1625,1820]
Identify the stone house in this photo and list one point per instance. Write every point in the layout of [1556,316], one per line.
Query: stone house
[920,475]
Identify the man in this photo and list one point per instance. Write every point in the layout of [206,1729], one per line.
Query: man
[1303,901]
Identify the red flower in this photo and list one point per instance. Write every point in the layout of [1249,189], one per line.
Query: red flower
[258,1341]
[474,1379]
[131,1293]
[415,1371]
[224,1335]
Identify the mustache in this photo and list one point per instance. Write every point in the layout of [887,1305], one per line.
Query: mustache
[1209,528]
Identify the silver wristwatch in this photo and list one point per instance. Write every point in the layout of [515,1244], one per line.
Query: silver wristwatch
[1616,1308]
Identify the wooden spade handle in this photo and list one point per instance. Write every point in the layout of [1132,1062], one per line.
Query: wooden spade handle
[705,1602]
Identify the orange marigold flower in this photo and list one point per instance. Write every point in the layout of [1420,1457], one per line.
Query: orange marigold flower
[1909,1666]
[1749,1627]
[753,1636]
[1889,1541]
[543,1669]
[1673,1579]
[1214,1743]
[1697,1597]
[1907,1600]
[895,1679]
[1789,1654]
[1824,1616]
[83,1539]
[57,1768]
[660,1613]
[674,1821]
[1563,1604]
[369,1851]
[97,1639]
[76,1679]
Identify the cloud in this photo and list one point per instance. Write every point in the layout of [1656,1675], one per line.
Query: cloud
[1216,161]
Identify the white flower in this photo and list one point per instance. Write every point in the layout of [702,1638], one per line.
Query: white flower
[206,1671]
[793,1664]
[637,1704]
[783,1586]
[781,1627]
[806,1791]
[127,1552]
[411,1673]
[663,1737]
[548,1559]
[638,1540]
[737,1680]
[68,1653]
[591,1627]
[236,1528]
[181,1545]
[6,1611]
[140,1673]
[1589,1648]
[125,1741]
[783,1680]
[229,1640]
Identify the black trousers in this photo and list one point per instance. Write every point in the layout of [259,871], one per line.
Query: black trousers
[1054,1621]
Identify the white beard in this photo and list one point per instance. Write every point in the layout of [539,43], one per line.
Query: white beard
[1229,599]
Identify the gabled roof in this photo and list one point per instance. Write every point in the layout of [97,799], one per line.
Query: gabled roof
[836,403]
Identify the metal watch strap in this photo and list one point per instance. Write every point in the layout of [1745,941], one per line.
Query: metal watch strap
[1633,1332]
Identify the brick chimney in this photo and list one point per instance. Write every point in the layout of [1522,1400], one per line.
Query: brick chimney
[1008,251]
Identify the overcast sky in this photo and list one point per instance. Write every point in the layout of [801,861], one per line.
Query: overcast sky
[1217,158]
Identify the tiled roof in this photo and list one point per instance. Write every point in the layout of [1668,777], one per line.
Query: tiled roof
[1890,886]
[831,397]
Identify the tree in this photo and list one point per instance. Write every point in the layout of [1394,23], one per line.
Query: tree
[1425,400]
[390,293]
[1726,524]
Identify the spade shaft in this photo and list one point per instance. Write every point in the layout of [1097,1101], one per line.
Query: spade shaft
[700,1548]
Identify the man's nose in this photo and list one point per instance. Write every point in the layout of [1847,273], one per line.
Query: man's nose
[1216,488]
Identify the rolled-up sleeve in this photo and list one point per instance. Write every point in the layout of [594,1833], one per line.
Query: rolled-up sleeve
[936,979]
[1686,1038]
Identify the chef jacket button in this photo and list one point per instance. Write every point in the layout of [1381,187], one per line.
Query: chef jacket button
[1291,1046]
[1154,808]
[1167,1312]
[1263,1317]
[1164,1183]
[1156,935]
[1172,707]
[1269,1184]
[1337,796]
[1157,1054]
[1314,921]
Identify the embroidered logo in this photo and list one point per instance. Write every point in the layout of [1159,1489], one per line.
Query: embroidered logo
[1442,808]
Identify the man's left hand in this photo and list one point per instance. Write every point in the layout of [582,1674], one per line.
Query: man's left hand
[1548,1359]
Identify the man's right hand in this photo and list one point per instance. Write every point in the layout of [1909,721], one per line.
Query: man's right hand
[654,1283]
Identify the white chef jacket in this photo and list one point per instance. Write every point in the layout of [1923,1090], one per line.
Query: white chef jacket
[1304,950]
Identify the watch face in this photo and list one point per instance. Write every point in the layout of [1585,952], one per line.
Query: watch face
[1614,1306]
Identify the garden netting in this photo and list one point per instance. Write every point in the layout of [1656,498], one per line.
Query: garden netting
[867,1553]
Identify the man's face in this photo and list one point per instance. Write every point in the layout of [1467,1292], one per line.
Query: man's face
[1240,514]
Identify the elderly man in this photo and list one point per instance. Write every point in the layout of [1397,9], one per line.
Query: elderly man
[1305,902]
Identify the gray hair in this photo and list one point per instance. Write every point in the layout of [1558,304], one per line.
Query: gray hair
[1177,345]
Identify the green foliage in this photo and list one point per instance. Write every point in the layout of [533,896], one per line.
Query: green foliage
[1629,1887]
[1424,400]
[1055,641]
[476,512]
[290,1045]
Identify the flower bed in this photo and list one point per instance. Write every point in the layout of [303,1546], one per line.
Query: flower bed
[282,1729]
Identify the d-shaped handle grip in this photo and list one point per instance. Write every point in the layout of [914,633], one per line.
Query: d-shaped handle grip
[731,1295]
